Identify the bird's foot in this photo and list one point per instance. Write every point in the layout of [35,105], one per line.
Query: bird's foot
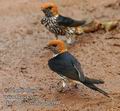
[62,87]
[69,41]
[76,86]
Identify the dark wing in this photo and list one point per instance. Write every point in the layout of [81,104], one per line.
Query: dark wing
[87,81]
[65,64]
[78,68]
[82,77]
[64,68]
[69,22]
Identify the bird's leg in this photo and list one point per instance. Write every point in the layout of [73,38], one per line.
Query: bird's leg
[56,36]
[73,83]
[69,40]
[76,85]
[64,86]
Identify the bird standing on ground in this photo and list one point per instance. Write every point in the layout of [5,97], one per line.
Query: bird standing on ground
[68,67]
[58,24]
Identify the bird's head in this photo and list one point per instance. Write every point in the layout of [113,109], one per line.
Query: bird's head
[49,9]
[56,46]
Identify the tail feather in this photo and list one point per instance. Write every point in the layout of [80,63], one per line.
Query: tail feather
[93,87]
[93,81]
[82,22]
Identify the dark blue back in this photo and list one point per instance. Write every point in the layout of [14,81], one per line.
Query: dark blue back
[63,65]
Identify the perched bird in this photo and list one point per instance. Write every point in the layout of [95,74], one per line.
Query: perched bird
[58,24]
[68,67]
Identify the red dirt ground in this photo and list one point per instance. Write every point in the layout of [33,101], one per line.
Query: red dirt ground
[26,82]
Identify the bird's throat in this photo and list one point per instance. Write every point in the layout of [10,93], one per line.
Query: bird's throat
[62,51]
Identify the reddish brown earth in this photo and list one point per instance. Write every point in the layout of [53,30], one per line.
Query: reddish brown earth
[26,82]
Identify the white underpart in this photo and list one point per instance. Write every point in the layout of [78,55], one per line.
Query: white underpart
[63,81]
[64,84]
[55,16]
[54,55]
[69,40]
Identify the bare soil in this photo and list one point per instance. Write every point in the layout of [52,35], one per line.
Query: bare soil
[26,82]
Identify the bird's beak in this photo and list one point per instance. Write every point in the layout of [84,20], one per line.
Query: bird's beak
[46,47]
[44,10]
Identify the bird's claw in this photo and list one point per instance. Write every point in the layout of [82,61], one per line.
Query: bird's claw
[76,86]
[62,87]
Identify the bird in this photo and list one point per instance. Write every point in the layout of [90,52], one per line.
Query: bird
[68,67]
[58,24]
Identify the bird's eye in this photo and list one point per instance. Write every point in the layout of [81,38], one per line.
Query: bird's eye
[50,7]
[54,45]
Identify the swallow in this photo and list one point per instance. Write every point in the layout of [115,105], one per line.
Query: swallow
[59,25]
[68,67]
